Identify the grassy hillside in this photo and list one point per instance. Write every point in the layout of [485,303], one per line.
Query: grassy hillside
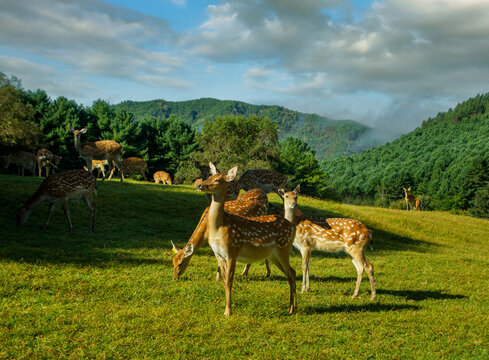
[109,294]
[446,160]
[330,138]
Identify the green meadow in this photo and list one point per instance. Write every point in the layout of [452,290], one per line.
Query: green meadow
[109,294]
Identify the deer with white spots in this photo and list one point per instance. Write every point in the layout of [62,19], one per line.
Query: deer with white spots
[409,198]
[250,204]
[235,238]
[267,180]
[205,172]
[331,235]
[59,188]
[98,150]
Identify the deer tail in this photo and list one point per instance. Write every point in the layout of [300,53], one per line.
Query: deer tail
[371,242]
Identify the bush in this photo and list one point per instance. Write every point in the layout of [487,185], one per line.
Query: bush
[480,204]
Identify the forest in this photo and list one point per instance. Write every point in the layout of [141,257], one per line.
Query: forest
[445,161]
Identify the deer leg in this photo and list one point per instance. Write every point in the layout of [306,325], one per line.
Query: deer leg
[306,258]
[218,273]
[64,202]
[282,262]
[117,164]
[358,261]
[245,270]
[267,265]
[91,206]
[370,272]
[228,266]
[51,209]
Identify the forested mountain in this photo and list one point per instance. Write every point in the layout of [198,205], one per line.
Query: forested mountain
[446,161]
[329,138]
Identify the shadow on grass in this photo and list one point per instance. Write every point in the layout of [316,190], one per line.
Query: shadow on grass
[353,308]
[419,295]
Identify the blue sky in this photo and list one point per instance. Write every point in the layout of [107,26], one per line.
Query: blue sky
[389,64]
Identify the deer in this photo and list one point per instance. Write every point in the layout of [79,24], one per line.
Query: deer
[134,165]
[162,176]
[347,235]
[205,172]
[98,150]
[267,180]
[59,188]
[409,198]
[47,159]
[251,204]
[418,205]
[23,160]
[235,238]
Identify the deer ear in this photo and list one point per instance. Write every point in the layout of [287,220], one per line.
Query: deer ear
[189,250]
[232,174]
[296,190]
[175,249]
[71,129]
[409,188]
[84,130]
[281,192]
[214,171]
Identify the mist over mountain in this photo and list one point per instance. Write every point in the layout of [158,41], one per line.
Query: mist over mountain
[329,138]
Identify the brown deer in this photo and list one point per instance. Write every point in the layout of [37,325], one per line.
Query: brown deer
[59,188]
[100,166]
[234,238]
[418,205]
[250,204]
[267,180]
[134,165]
[98,150]
[23,160]
[205,172]
[162,176]
[47,159]
[409,198]
[347,235]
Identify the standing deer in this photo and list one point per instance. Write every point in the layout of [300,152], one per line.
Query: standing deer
[23,160]
[409,198]
[162,176]
[418,205]
[47,159]
[134,165]
[234,238]
[98,150]
[267,180]
[347,235]
[250,204]
[59,188]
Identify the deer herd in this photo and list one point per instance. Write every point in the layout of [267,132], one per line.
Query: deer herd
[236,226]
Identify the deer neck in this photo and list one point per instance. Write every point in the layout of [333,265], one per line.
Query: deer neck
[289,214]
[78,147]
[216,212]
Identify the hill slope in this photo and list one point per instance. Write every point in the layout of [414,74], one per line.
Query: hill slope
[110,293]
[446,159]
[329,138]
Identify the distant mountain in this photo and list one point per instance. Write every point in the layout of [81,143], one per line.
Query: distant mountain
[446,161]
[329,138]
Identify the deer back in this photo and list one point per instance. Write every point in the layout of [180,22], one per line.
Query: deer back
[134,165]
[266,180]
[162,176]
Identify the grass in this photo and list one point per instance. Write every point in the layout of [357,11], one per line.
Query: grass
[110,294]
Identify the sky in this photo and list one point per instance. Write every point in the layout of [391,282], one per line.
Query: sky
[388,64]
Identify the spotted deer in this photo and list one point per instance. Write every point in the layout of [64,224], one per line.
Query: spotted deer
[98,150]
[100,166]
[47,159]
[59,188]
[134,165]
[23,160]
[235,238]
[250,204]
[418,205]
[162,176]
[205,172]
[267,180]
[347,235]
[409,198]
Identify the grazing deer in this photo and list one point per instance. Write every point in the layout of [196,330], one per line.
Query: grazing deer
[267,180]
[98,150]
[162,176]
[409,198]
[59,188]
[23,160]
[47,159]
[250,204]
[347,235]
[205,172]
[418,205]
[134,165]
[234,238]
